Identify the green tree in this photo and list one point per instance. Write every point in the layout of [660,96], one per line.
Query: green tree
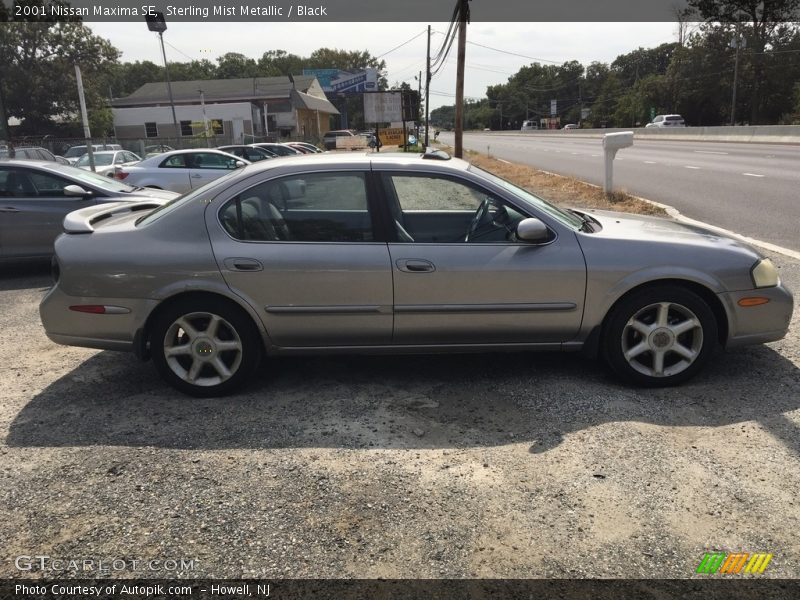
[37,71]
[757,22]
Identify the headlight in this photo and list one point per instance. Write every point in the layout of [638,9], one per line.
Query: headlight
[765,274]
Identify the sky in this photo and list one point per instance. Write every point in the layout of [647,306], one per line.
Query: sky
[556,42]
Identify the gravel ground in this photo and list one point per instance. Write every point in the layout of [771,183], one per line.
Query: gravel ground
[511,465]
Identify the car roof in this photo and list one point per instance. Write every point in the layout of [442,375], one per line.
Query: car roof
[356,159]
[44,164]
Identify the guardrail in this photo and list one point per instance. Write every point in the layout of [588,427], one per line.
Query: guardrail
[781,134]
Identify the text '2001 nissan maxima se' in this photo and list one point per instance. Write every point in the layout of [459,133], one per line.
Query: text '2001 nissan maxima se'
[399,253]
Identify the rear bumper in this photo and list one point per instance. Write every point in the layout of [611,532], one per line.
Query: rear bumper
[101,331]
[758,324]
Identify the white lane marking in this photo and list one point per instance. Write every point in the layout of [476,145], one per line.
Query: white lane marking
[690,167]
[753,175]
[595,155]
[650,162]
[504,161]
[575,153]
[676,214]
[709,152]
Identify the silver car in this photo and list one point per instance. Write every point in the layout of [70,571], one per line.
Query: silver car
[180,170]
[35,196]
[390,253]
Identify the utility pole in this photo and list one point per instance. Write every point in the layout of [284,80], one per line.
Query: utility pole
[156,22]
[737,42]
[463,16]
[427,86]
[86,132]
[205,119]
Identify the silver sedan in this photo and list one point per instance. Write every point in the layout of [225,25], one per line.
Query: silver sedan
[389,254]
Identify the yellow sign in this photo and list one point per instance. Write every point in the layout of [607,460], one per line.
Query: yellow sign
[391,137]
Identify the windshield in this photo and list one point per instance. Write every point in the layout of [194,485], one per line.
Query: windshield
[75,151]
[100,160]
[175,203]
[99,181]
[562,216]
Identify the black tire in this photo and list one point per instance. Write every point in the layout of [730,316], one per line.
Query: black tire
[633,356]
[235,343]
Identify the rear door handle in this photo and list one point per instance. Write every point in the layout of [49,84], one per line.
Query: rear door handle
[415,265]
[197,176]
[243,264]
[9,209]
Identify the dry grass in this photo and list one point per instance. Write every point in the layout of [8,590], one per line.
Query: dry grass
[559,189]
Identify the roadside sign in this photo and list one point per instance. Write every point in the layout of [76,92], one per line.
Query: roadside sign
[391,137]
[383,107]
[553,107]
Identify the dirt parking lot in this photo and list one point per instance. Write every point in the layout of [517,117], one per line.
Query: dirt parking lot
[505,465]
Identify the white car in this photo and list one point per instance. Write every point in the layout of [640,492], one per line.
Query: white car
[106,161]
[667,121]
[74,153]
[180,170]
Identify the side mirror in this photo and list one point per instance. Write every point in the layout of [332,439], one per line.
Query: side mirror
[76,191]
[532,230]
[239,164]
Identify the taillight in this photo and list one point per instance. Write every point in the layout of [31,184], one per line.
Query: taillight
[100,309]
[96,309]
[120,175]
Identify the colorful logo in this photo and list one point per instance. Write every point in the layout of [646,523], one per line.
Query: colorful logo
[733,563]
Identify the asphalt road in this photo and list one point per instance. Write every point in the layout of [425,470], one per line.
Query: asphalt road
[753,189]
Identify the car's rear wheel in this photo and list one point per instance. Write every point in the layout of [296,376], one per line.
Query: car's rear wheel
[660,336]
[206,348]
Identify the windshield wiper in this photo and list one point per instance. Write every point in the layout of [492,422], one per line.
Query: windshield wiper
[587,224]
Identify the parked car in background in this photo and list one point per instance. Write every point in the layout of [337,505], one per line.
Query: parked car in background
[528,126]
[180,170]
[250,153]
[33,153]
[156,150]
[75,152]
[375,253]
[329,139]
[667,121]
[105,161]
[312,149]
[35,196]
[569,126]
[278,149]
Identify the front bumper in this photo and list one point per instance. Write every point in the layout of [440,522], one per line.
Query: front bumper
[758,324]
[101,331]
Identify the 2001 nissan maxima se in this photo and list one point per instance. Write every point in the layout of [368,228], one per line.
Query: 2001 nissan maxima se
[398,254]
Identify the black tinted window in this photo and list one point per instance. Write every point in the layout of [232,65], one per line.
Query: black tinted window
[318,207]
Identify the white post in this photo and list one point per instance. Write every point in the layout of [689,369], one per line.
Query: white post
[86,132]
[612,142]
[205,120]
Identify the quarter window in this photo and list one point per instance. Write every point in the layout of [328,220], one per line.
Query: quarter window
[315,207]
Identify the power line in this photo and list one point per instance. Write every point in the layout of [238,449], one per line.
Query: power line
[401,45]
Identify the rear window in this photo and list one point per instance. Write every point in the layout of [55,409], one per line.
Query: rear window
[676,118]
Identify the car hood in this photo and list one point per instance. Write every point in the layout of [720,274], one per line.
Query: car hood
[644,228]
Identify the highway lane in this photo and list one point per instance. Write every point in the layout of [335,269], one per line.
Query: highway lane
[753,189]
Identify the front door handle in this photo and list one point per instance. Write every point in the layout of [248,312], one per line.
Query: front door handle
[9,209]
[415,265]
[243,264]
[197,176]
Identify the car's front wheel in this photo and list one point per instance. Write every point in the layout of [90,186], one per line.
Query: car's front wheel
[660,336]
[206,348]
